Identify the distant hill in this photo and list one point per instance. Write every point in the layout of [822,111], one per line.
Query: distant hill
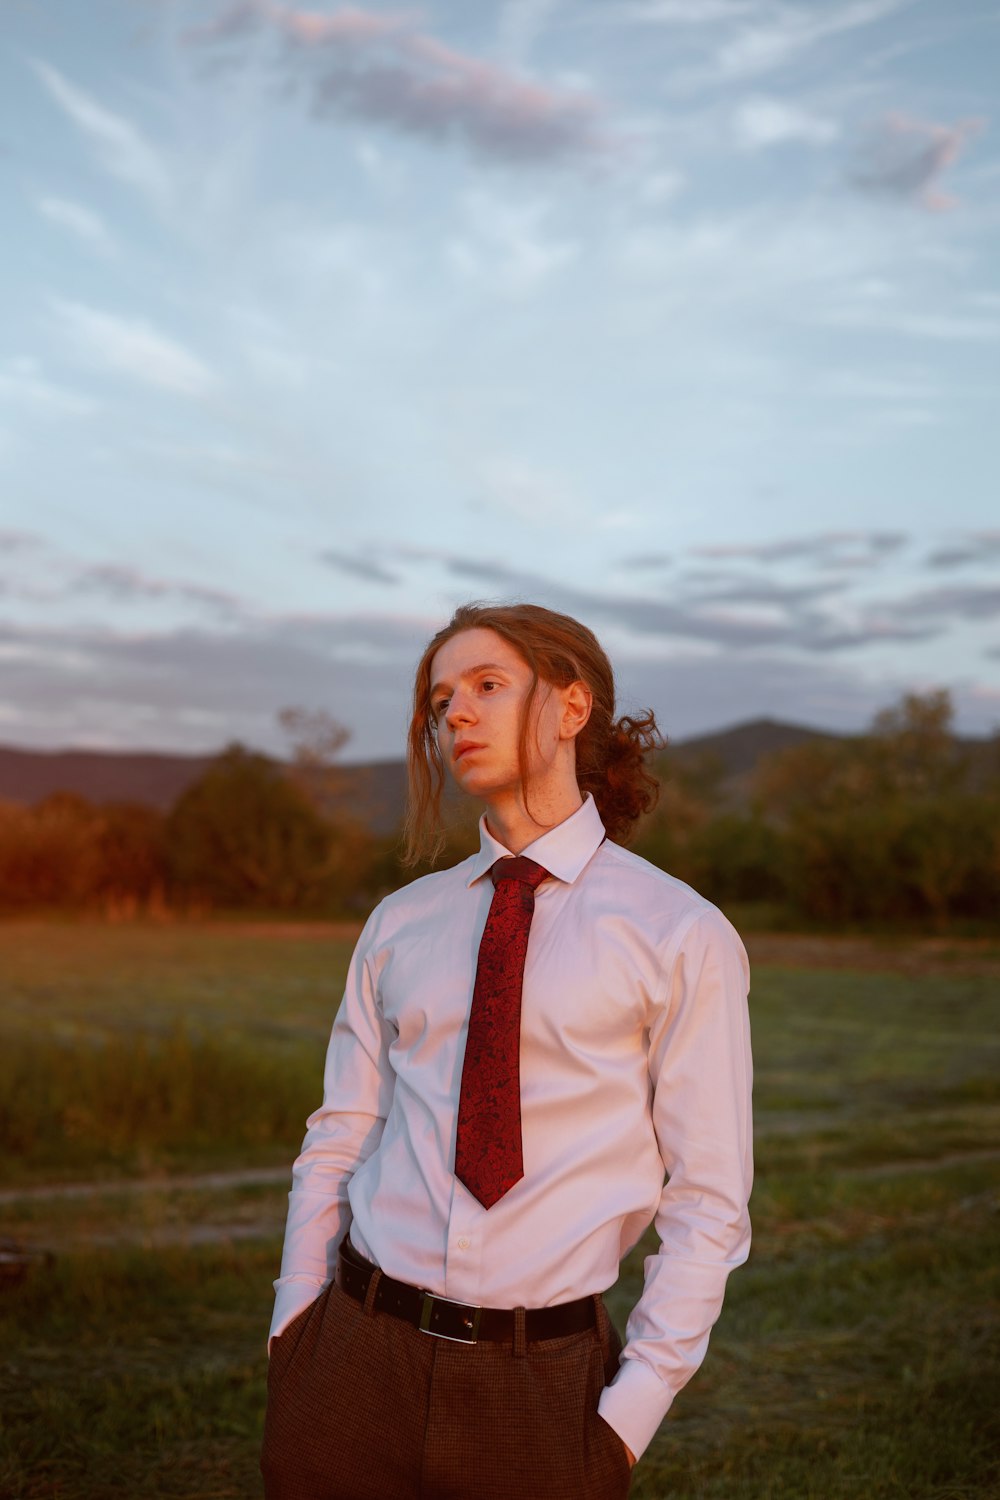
[736,752]
[154,778]
[740,748]
[375,793]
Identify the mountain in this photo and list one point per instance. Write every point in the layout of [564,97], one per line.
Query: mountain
[375,793]
[154,778]
[738,750]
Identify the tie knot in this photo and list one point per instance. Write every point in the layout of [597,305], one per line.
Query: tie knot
[517,867]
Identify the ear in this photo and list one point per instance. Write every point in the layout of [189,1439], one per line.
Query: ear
[577,703]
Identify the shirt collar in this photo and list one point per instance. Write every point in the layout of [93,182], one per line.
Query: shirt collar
[564,851]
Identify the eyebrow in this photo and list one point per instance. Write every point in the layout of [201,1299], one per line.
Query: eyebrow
[484,666]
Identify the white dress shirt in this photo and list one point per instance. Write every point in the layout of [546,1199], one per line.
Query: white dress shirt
[635,1066]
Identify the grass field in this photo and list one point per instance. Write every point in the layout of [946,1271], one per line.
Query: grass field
[858,1354]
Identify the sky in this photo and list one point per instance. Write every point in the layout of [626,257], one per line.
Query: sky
[681,316]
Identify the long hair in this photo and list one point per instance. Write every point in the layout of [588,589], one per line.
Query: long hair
[610,752]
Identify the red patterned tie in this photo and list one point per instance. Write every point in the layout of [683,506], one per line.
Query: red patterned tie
[488,1143]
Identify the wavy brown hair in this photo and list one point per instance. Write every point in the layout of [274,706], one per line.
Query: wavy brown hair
[610,752]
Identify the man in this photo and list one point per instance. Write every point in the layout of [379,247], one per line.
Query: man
[528,1044]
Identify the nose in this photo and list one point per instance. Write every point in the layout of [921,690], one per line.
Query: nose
[459,711]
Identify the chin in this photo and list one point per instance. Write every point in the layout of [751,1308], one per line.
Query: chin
[471,780]
[468,773]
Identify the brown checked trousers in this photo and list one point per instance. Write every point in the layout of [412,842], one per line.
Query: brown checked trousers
[361,1405]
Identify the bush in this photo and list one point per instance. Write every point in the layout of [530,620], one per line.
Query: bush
[244,836]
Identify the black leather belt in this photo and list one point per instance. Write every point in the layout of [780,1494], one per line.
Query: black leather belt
[462,1322]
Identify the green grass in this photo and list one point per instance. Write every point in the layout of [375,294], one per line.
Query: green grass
[128,1049]
[134,1103]
[858,1353]
[861,1364]
[133,1373]
[75,980]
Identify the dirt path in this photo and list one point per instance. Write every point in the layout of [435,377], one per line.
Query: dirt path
[937,1164]
[163,1237]
[109,1187]
[208,1182]
[171,1235]
[893,955]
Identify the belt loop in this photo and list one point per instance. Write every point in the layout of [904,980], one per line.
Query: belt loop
[370,1294]
[520,1341]
[600,1321]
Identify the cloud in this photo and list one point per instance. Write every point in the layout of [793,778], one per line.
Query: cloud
[737,625]
[747,613]
[978,547]
[117,583]
[82,222]
[381,69]
[961,602]
[764,260]
[828,549]
[121,147]
[692,694]
[196,688]
[505,247]
[720,611]
[908,388]
[712,610]
[711,648]
[939,327]
[487,572]
[777,35]
[904,158]
[691,12]
[646,560]
[309,28]
[358,567]
[659,186]
[14,540]
[347,253]
[127,585]
[521,23]
[22,381]
[132,346]
[762,122]
[719,588]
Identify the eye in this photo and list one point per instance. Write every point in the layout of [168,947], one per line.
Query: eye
[488,683]
[438,708]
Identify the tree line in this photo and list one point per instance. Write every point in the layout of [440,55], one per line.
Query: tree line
[897,826]
[900,825]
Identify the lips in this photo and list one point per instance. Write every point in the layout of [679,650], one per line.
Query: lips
[461,750]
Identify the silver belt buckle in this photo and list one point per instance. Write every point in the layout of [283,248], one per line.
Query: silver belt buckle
[472,1323]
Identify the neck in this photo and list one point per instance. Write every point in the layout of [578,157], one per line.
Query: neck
[515,826]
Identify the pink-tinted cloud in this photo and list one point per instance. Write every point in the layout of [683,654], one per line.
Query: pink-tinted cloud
[310,28]
[906,158]
[382,69]
[126,585]
[347,25]
[12,540]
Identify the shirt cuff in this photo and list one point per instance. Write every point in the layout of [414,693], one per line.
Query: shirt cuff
[292,1297]
[634,1404]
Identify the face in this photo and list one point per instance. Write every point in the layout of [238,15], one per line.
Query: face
[479,683]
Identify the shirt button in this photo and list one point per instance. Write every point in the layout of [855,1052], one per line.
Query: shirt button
[464,1242]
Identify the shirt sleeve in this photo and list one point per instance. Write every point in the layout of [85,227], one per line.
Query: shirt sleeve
[357,1093]
[701,1072]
